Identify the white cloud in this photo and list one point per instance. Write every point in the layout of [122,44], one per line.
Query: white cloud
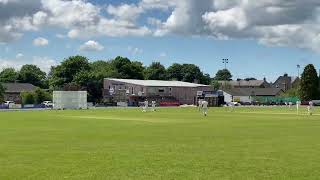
[294,23]
[126,12]
[163,54]
[134,50]
[19,55]
[40,41]
[61,36]
[91,46]
[44,63]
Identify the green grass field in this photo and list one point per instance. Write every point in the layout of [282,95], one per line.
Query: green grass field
[173,143]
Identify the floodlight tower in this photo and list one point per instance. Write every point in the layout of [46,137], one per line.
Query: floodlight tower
[225,62]
[298,67]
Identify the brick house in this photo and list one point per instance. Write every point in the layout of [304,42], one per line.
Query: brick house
[286,82]
[13,91]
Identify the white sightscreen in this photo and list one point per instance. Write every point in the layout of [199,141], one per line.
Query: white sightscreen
[70,100]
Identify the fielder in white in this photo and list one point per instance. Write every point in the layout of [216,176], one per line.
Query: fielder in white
[310,108]
[298,106]
[232,106]
[145,107]
[153,105]
[200,105]
[205,108]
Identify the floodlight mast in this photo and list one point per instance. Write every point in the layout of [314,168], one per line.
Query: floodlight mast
[225,62]
[298,67]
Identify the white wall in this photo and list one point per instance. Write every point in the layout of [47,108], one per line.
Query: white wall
[245,99]
[70,100]
[227,97]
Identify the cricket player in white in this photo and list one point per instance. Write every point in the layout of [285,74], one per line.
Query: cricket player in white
[298,106]
[153,105]
[200,105]
[232,105]
[290,105]
[310,107]
[146,105]
[205,108]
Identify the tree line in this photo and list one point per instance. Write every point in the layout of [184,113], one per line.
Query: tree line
[78,73]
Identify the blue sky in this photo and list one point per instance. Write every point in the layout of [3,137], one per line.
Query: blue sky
[165,31]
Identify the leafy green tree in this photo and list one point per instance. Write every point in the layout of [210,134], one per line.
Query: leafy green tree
[27,98]
[309,84]
[206,79]
[137,70]
[103,69]
[215,84]
[174,72]
[2,91]
[293,92]
[191,73]
[32,74]
[41,95]
[187,73]
[127,69]
[93,84]
[156,71]
[9,75]
[223,75]
[65,73]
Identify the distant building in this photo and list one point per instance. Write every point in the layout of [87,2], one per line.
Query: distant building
[163,92]
[247,95]
[13,91]
[246,84]
[286,82]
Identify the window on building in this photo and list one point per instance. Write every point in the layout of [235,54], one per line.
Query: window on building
[161,90]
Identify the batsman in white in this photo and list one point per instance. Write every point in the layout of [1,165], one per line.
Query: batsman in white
[205,108]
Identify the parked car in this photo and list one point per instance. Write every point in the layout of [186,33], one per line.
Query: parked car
[48,104]
[8,103]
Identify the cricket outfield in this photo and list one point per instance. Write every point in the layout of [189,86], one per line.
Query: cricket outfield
[171,143]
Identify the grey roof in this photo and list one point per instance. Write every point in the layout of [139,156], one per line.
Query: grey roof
[157,83]
[254,91]
[292,79]
[251,83]
[18,87]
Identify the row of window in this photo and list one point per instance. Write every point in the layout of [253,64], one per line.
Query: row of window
[132,89]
